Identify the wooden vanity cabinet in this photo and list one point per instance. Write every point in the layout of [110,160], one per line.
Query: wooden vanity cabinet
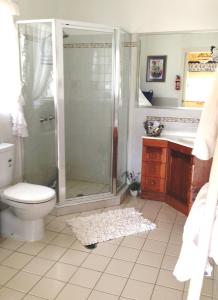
[153,173]
[171,173]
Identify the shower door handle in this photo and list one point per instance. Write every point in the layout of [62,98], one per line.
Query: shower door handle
[43,119]
[51,117]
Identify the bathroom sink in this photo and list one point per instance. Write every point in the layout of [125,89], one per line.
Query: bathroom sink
[185,140]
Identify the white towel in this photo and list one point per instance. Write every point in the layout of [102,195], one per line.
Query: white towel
[205,141]
[188,259]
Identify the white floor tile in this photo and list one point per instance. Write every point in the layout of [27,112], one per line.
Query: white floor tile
[8,294]
[48,236]
[173,250]
[144,273]
[6,273]
[77,292]
[61,271]
[137,290]
[4,253]
[17,260]
[169,262]
[73,257]
[111,284]
[96,262]
[63,240]
[159,235]
[31,297]
[23,281]
[96,295]
[132,242]
[127,254]
[119,267]
[47,288]
[154,246]
[11,244]
[52,252]
[32,248]
[38,266]
[85,277]
[164,293]
[150,258]
[56,226]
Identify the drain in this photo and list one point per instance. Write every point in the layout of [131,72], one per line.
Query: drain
[79,195]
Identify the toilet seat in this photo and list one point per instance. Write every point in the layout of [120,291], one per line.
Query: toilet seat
[28,193]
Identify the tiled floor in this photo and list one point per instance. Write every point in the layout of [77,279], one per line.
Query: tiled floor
[135,267]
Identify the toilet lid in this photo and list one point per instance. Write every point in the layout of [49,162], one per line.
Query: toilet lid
[29,193]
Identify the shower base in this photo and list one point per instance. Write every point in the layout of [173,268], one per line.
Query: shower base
[79,188]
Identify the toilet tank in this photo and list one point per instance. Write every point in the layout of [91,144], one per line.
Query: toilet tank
[6,164]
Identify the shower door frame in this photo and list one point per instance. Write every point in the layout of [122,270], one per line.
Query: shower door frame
[58,75]
[59,80]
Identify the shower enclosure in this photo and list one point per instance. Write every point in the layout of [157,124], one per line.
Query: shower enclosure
[76,90]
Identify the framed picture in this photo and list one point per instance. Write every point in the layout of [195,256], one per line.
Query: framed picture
[156,68]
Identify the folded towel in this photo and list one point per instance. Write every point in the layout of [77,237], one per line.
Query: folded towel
[205,141]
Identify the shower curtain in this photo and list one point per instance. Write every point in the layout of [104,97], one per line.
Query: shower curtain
[36,59]
[10,92]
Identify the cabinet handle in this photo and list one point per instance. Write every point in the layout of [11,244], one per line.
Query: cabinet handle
[153,182]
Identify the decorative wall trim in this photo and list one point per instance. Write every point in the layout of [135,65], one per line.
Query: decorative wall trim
[98,45]
[173,119]
[130,44]
[88,45]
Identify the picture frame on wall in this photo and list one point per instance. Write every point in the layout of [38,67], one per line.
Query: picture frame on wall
[156,68]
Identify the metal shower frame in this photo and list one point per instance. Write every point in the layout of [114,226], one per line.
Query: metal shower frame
[58,75]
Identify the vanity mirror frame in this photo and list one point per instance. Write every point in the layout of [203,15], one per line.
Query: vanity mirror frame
[138,37]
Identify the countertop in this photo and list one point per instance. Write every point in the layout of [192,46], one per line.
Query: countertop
[182,138]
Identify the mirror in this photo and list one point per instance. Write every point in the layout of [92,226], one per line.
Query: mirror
[177,68]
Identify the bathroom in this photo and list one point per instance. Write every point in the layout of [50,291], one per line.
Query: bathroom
[134,19]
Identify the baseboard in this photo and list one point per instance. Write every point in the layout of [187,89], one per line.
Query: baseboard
[86,203]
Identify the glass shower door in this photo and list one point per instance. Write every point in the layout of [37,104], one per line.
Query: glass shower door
[88,112]
[39,161]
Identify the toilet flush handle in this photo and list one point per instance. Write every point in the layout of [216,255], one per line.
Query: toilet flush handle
[10,162]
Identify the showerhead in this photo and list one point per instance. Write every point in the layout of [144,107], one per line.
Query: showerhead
[65,35]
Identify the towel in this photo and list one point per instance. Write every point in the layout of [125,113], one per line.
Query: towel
[188,259]
[143,100]
[205,141]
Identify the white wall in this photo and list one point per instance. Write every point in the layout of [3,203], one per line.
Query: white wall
[134,16]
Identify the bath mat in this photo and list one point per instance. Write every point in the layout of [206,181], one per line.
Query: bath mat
[109,225]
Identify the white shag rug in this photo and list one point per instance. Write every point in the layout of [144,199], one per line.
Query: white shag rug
[109,225]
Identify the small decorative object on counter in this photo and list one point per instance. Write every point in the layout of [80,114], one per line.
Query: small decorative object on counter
[153,128]
[178,82]
[133,183]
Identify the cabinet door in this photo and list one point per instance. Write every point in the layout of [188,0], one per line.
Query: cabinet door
[179,176]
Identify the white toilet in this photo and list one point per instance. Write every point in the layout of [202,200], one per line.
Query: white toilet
[28,203]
